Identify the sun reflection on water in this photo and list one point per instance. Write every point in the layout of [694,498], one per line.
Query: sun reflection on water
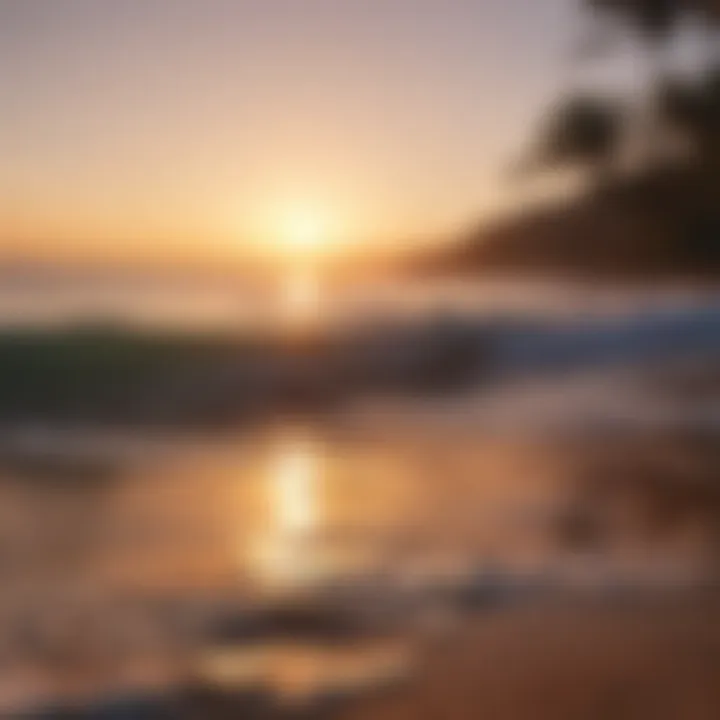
[300,300]
[284,552]
[295,475]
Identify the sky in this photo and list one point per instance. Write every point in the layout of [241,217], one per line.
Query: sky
[163,127]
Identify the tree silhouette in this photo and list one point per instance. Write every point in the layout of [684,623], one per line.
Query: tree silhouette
[583,131]
[692,108]
[655,21]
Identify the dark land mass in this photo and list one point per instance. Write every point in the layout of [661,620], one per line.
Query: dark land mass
[664,224]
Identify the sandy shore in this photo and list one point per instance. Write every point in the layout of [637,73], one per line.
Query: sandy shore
[655,658]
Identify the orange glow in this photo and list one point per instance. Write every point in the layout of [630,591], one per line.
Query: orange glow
[300,300]
[304,232]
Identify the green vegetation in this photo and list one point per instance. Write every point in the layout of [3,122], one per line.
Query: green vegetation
[95,374]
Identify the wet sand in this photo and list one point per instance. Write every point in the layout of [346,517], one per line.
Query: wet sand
[447,573]
[655,657]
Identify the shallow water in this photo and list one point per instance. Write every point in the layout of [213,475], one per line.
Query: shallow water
[43,297]
[365,534]
[319,556]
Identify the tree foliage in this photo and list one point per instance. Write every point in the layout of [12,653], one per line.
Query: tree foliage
[654,19]
[582,131]
[692,107]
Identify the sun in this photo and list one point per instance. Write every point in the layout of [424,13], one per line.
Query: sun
[298,235]
[304,232]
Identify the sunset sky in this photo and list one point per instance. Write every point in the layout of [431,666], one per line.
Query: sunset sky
[160,126]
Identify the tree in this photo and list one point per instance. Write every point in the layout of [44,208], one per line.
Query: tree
[692,108]
[655,21]
[708,12]
[583,131]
